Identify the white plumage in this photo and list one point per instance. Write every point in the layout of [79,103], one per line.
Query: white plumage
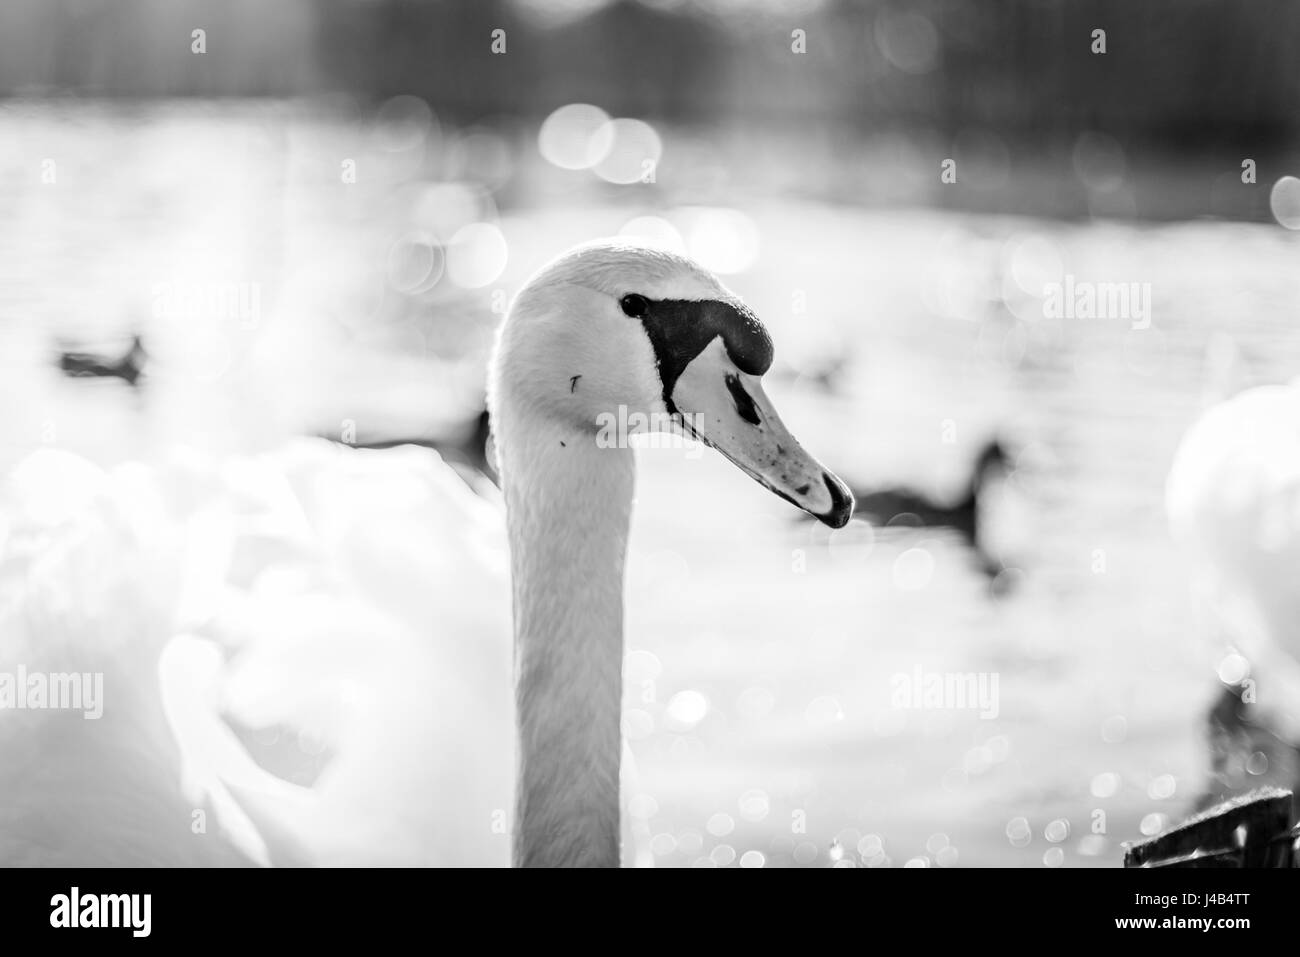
[1233,500]
[359,597]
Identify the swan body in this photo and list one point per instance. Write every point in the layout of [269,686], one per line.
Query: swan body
[1233,497]
[1233,502]
[364,598]
[283,590]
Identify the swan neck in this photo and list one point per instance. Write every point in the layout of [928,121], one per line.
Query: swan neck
[568,508]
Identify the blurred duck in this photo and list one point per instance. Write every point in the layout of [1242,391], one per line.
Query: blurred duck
[466,449]
[356,602]
[901,507]
[1233,502]
[127,366]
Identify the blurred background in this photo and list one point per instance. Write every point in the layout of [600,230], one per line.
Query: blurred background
[308,217]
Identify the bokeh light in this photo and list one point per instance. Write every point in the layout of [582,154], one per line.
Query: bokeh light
[404,123]
[476,255]
[977,760]
[415,263]
[1093,845]
[1105,785]
[642,806]
[446,208]
[1153,824]
[626,151]
[654,231]
[690,842]
[1233,669]
[725,241]
[805,853]
[1162,787]
[686,709]
[853,543]
[1114,729]
[723,855]
[663,844]
[1284,202]
[913,569]
[1019,833]
[908,40]
[568,137]
[754,805]
[640,666]
[1033,261]
[553,14]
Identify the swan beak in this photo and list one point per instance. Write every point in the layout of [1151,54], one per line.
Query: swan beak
[728,410]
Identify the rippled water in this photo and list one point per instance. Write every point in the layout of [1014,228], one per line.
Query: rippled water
[764,654]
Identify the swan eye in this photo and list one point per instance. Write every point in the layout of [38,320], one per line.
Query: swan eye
[635,306]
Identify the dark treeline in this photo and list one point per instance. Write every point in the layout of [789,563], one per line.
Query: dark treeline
[1183,73]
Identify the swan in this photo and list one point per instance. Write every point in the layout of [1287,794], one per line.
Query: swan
[1232,499]
[372,596]
[608,327]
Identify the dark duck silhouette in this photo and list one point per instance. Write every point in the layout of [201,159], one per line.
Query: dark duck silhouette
[1248,748]
[128,366]
[901,507]
[466,449]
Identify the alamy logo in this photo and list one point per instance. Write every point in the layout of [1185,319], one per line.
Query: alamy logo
[54,691]
[661,430]
[228,301]
[1098,300]
[102,910]
[946,690]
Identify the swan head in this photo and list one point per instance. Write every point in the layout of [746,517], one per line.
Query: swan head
[618,332]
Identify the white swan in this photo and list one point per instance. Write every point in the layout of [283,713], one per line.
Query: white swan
[363,595]
[604,327]
[283,589]
[1233,502]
